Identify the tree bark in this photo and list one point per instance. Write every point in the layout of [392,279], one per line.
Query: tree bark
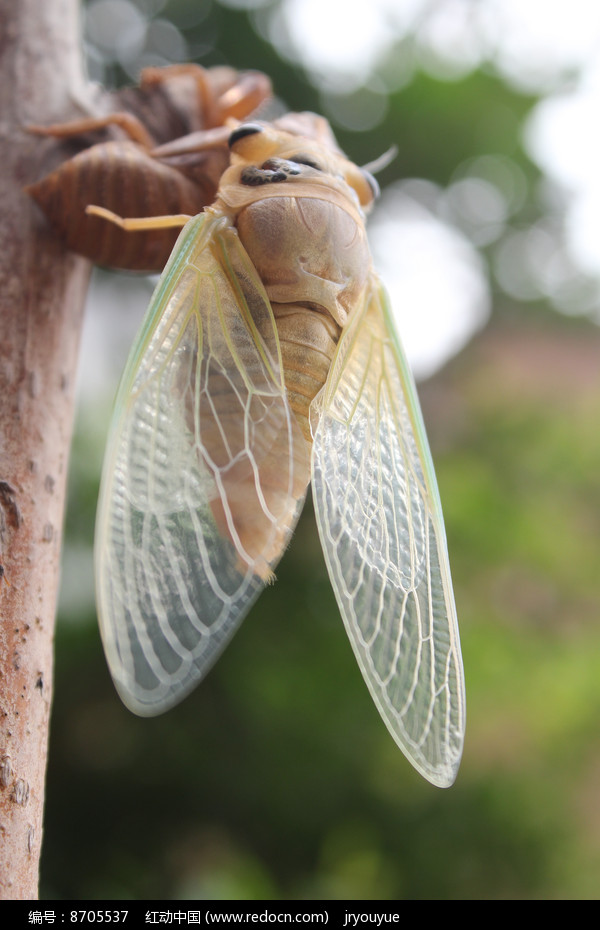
[42,293]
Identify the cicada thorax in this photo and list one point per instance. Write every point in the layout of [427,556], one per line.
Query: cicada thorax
[313,259]
[300,220]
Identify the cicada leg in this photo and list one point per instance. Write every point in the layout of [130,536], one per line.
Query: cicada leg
[131,224]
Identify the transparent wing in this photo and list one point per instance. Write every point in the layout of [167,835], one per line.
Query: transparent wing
[204,475]
[382,533]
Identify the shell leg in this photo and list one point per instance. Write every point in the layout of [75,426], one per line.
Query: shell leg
[224,94]
[127,122]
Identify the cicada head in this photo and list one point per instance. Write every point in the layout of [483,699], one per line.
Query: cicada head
[301,140]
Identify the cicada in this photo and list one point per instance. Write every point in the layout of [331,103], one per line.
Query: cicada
[269,359]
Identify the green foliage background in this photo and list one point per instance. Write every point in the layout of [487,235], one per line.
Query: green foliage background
[276,779]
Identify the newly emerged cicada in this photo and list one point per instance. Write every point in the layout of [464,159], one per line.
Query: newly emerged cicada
[269,357]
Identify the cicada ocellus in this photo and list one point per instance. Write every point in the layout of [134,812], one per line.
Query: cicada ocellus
[268,357]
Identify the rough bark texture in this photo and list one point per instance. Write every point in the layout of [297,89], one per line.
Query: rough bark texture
[42,291]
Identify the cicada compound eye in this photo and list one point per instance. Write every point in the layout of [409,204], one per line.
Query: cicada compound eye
[365,185]
[242,132]
[254,142]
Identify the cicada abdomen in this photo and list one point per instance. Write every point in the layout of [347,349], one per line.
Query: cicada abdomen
[269,356]
[135,178]
[253,445]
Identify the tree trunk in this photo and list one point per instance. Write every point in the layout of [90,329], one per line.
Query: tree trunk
[42,292]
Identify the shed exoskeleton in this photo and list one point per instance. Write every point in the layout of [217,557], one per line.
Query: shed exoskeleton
[138,169]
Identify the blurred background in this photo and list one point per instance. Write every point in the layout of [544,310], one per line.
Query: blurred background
[276,778]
